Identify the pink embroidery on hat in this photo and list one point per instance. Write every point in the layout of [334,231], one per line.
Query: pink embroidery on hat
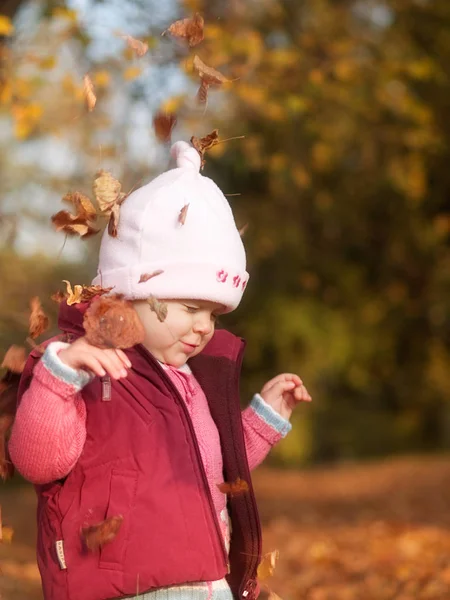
[236,281]
[222,276]
[244,283]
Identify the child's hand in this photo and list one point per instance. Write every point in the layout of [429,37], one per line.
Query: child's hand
[82,355]
[284,392]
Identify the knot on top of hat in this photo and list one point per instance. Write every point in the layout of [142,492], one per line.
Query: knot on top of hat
[186,156]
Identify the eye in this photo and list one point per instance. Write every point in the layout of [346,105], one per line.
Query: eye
[191,309]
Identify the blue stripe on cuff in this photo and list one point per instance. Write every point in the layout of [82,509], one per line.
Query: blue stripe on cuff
[76,377]
[270,416]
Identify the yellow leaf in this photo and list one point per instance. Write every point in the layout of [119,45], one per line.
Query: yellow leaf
[48,62]
[132,73]
[267,565]
[74,296]
[6,534]
[6,27]
[102,79]
[65,13]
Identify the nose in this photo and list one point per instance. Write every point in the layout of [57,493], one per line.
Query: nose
[203,324]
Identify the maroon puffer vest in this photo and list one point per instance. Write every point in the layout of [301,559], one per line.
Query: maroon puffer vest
[141,460]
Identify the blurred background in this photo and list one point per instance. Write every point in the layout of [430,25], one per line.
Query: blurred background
[342,179]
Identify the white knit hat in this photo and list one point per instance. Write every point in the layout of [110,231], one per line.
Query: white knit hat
[202,259]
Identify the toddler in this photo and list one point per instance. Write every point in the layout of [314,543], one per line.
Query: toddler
[152,434]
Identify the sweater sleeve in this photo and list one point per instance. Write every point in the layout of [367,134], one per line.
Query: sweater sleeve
[263,428]
[49,430]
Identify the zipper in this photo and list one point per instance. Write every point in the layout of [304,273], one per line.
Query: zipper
[180,401]
[249,582]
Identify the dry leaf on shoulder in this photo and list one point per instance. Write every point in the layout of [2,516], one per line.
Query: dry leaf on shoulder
[191,29]
[38,319]
[96,536]
[112,322]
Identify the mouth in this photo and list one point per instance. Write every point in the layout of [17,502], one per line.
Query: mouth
[190,347]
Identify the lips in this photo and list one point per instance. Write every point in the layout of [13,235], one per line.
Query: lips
[191,346]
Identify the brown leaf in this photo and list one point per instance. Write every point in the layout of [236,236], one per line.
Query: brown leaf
[146,276]
[236,488]
[183,214]
[90,291]
[140,48]
[38,319]
[89,93]
[58,297]
[205,143]
[267,565]
[15,359]
[106,190]
[113,222]
[208,74]
[84,208]
[102,533]
[112,322]
[191,29]
[80,293]
[163,123]
[202,94]
[72,225]
[6,533]
[158,307]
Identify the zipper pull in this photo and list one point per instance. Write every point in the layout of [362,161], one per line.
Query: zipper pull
[106,388]
[249,591]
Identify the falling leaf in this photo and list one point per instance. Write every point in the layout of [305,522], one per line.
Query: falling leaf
[183,214]
[15,359]
[140,48]
[83,206]
[79,293]
[267,565]
[146,276]
[163,123]
[58,297]
[112,322]
[38,319]
[91,291]
[113,222]
[6,533]
[72,225]
[102,533]
[73,296]
[202,94]
[106,190]
[208,74]
[191,29]
[158,307]
[88,88]
[205,143]
[236,488]
[243,230]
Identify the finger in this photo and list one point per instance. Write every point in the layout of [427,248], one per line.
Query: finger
[92,364]
[123,357]
[278,389]
[282,377]
[301,394]
[110,363]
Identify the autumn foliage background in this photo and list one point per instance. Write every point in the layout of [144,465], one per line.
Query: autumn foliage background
[342,177]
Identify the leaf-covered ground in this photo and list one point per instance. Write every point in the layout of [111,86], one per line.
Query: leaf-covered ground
[367,532]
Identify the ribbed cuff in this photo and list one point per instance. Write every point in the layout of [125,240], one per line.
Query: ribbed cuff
[77,378]
[270,416]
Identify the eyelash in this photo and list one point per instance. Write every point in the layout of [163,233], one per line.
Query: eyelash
[193,309]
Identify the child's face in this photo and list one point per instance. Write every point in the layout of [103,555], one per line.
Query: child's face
[187,329]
